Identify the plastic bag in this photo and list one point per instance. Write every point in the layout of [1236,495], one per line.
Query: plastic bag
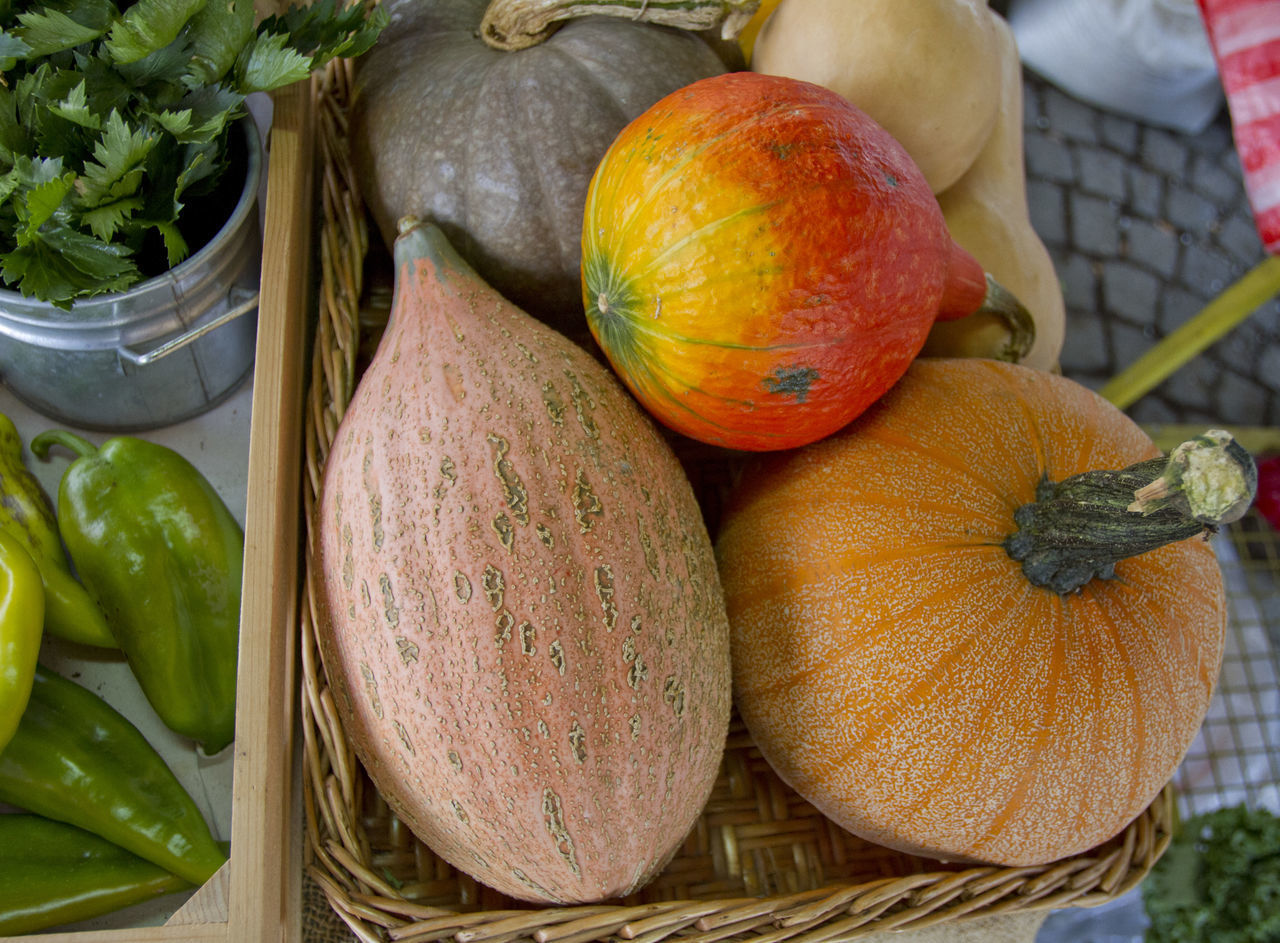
[1146,59]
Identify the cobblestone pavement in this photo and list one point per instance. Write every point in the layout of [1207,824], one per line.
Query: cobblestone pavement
[1145,226]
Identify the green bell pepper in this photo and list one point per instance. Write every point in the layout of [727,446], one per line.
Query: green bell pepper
[52,873]
[158,549]
[70,611]
[21,628]
[77,760]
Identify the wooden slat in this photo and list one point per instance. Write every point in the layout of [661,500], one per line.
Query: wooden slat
[265,891]
[195,933]
[208,904]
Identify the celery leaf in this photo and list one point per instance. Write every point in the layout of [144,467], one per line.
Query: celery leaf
[75,108]
[47,31]
[269,63]
[218,33]
[149,26]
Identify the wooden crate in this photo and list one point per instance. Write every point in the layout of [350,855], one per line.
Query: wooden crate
[257,895]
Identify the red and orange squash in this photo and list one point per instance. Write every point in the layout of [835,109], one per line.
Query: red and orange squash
[933,640]
[761,261]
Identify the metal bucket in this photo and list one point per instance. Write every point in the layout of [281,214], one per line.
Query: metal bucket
[168,349]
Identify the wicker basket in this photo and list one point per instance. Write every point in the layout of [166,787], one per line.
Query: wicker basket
[761,865]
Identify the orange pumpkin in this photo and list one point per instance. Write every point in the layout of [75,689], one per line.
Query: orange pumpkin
[901,671]
[761,261]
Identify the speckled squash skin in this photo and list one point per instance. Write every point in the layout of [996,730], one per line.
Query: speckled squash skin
[522,615]
[498,147]
[761,261]
[899,671]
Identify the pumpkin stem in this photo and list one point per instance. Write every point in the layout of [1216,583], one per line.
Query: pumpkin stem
[969,290]
[1078,529]
[511,25]
[1001,303]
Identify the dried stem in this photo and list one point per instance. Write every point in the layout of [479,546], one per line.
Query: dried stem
[518,24]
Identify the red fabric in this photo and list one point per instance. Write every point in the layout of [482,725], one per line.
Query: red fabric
[1269,225]
[1257,143]
[1268,500]
[1245,38]
[1250,65]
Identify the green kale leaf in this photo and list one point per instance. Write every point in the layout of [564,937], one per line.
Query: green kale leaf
[1219,881]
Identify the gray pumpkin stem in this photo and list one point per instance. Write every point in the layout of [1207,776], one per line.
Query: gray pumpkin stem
[512,25]
[1078,529]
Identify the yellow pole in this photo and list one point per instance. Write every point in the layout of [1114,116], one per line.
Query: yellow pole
[1219,316]
[1256,440]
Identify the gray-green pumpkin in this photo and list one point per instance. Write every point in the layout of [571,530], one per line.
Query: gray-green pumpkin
[497,148]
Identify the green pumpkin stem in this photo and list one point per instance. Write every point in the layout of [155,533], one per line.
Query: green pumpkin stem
[512,25]
[1078,529]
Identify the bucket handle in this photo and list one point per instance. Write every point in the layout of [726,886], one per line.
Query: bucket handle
[248,302]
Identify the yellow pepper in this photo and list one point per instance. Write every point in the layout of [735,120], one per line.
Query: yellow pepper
[25,513]
[21,627]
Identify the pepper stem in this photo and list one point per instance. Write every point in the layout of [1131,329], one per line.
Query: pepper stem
[81,446]
[511,25]
[1078,529]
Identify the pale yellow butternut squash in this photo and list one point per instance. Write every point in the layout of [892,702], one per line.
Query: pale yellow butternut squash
[927,70]
[987,213]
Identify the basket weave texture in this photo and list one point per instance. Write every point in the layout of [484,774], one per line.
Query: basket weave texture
[760,866]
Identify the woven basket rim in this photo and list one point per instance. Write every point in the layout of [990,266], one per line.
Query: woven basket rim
[340,853]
